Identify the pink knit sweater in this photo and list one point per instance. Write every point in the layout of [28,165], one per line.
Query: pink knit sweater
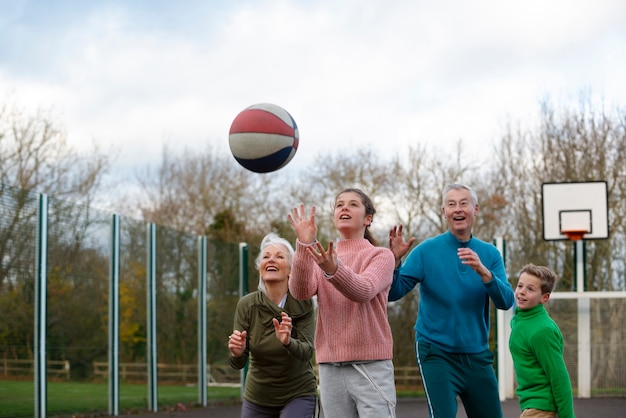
[352,319]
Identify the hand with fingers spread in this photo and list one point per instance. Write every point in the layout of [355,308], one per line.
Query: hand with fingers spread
[283,329]
[306,232]
[327,260]
[305,227]
[397,245]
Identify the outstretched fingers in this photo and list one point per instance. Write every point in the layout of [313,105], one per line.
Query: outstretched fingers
[299,215]
[397,245]
[282,328]
[327,260]
[303,224]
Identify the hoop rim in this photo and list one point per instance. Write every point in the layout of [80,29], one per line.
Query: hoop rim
[575,234]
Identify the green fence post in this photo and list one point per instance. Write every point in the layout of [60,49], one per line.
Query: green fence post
[202,321]
[243,290]
[153,398]
[41,295]
[114,315]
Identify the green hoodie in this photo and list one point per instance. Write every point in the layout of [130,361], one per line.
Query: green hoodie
[276,374]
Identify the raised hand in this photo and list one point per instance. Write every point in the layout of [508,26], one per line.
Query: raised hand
[327,260]
[305,227]
[397,245]
[283,328]
[237,343]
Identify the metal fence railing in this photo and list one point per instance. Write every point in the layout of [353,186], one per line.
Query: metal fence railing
[56,283]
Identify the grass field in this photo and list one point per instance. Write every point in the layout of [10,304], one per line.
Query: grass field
[78,399]
[82,399]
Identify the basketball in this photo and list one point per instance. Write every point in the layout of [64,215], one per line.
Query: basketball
[263,138]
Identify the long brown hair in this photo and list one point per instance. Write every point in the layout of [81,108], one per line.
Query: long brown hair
[369,210]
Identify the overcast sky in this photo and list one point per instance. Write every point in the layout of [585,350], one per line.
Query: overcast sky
[380,73]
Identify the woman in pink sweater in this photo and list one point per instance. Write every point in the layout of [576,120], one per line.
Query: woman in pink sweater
[351,279]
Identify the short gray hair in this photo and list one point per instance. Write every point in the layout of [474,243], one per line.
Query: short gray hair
[272,239]
[458,186]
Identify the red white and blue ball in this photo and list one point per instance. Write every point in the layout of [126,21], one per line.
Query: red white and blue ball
[263,137]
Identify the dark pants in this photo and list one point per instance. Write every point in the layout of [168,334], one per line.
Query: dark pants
[470,376]
[303,407]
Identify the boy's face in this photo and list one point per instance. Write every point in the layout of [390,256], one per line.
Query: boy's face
[528,292]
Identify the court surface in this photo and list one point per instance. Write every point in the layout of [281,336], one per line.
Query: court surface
[415,408]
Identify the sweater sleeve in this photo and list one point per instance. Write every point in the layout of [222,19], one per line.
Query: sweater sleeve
[548,345]
[499,289]
[304,274]
[406,276]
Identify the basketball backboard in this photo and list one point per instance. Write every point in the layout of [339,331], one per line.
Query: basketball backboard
[575,206]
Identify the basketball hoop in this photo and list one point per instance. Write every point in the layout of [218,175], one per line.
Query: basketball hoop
[575,234]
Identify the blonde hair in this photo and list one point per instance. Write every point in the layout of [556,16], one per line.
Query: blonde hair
[547,277]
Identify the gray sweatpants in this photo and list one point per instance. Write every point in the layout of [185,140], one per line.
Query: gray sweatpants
[359,389]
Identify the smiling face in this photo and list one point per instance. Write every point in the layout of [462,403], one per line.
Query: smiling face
[459,211]
[350,215]
[528,293]
[274,264]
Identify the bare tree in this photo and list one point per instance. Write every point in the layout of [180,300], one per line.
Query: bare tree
[36,158]
[573,144]
[420,178]
[35,155]
[193,191]
[332,172]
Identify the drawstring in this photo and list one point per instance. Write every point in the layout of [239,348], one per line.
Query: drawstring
[359,368]
[318,408]
[466,360]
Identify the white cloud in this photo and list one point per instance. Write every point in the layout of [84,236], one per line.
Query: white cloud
[351,73]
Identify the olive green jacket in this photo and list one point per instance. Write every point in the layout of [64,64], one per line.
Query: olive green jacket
[276,374]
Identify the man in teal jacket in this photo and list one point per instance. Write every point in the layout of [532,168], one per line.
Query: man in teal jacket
[458,276]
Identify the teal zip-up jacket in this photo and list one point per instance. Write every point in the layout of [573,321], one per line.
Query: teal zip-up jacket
[536,344]
[276,374]
[453,311]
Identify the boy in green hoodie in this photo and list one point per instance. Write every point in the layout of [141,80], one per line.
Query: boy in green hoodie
[536,344]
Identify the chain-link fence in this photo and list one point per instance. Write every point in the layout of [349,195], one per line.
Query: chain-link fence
[74,327]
